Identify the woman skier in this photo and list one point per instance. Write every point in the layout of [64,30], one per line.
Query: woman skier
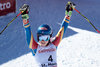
[45,49]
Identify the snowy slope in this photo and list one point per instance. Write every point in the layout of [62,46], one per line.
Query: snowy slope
[79,48]
[74,51]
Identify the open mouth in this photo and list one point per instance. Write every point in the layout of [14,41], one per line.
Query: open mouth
[42,42]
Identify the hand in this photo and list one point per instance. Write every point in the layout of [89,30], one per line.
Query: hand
[70,6]
[24,9]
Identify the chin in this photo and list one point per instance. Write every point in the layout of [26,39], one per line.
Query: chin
[43,45]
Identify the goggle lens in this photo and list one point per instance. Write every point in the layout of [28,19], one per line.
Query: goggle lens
[44,37]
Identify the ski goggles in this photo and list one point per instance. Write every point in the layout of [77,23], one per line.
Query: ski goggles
[44,37]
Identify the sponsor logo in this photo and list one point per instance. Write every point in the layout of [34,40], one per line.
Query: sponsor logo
[5,6]
[43,65]
[47,50]
[49,65]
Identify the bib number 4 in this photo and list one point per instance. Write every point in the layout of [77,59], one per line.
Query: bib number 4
[50,58]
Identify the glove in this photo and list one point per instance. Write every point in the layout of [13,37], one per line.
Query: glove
[70,6]
[25,11]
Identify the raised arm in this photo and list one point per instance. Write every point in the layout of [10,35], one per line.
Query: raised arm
[69,8]
[29,36]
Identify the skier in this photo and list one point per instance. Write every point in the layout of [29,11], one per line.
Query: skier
[45,49]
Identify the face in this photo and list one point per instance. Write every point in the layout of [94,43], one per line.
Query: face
[44,39]
[43,43]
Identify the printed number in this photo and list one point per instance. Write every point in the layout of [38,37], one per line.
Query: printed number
[43,65]
[50,58]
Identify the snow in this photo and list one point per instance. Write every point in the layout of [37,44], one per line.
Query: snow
[80,50]
[80,46]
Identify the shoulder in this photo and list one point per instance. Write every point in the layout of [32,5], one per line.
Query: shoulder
[52,39]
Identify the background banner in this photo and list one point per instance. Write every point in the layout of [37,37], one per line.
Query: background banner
[7,6]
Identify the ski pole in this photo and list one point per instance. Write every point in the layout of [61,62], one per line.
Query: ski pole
[87,20]
[9,23]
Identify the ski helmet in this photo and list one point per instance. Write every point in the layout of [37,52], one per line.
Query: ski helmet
[44,30]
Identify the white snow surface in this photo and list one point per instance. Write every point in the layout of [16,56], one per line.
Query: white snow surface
[79,50]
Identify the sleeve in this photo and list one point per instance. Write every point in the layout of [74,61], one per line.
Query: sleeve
[62,30]
[29,37]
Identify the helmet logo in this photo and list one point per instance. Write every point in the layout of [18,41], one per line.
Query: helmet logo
[43,28]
